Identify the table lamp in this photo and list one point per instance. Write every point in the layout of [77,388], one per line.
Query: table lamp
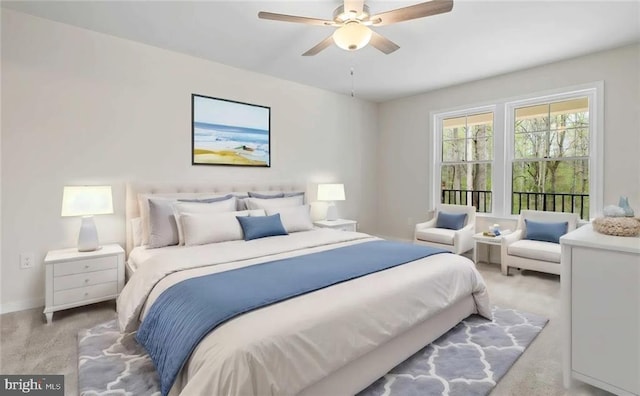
[87,201]
[331,193]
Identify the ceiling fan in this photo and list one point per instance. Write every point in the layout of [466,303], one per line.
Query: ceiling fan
[353,21]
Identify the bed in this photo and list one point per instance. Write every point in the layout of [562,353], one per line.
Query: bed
[336,340]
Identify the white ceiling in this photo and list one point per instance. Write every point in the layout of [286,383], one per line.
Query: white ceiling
[477,39]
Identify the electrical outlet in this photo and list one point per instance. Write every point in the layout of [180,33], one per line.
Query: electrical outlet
[27,260]
[409,221]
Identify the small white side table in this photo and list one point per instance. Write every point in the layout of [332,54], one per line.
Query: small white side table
[487,240]
[340,224]
[79,278]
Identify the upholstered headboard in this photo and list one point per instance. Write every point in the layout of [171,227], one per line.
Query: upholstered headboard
[132,209]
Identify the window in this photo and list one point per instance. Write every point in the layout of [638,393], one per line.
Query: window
[539,153]
[467,156]
[550,166]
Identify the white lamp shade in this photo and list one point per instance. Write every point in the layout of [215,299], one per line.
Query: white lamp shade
[352,36]
[86,200]
[331,192]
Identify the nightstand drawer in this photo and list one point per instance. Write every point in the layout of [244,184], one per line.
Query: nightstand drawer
[84,279]
[85,293]
[86,265]
[348,227]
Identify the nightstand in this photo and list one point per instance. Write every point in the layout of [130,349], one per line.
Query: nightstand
[79,278]
[340,224]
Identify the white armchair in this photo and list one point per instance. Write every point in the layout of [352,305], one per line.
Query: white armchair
[456,241]
[540,256]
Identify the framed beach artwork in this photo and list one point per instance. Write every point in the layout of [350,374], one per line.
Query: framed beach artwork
[226,132]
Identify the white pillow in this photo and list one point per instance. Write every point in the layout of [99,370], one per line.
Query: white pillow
[203,228]
[241,203]
[257,212]
[294,218]
[136,231]
[143,205]
[272,203]
[163,230]
[179,208]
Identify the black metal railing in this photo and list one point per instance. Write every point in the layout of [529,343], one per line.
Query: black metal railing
[478,198]
[552,202]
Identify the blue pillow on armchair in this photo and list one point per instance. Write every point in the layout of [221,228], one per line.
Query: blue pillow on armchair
[452,221]
[545,232]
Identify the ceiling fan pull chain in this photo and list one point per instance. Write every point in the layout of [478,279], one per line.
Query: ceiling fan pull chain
[353,85]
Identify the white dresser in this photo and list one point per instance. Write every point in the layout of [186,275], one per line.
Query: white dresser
[601,310]
[79,278]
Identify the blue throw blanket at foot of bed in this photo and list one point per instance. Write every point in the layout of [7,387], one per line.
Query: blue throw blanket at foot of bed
[186,312]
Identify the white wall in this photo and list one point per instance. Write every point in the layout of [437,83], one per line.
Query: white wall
[81,107]
[405,160]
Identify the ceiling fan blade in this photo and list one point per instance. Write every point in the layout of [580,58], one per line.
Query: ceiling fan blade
[382,43]
[320,46]
[354,5]
[421,10]
[293,18]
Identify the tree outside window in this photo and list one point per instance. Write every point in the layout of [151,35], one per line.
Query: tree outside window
[467,157]
[550,168]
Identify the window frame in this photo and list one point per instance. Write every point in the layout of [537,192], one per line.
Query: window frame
[503,140]
[438,120]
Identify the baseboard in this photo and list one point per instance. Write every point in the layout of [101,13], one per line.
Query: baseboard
[21,305]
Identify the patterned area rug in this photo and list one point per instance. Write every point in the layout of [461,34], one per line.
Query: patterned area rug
[468,360]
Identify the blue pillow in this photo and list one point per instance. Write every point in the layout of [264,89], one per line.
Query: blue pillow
[261,226]
[452,221]
[546,232]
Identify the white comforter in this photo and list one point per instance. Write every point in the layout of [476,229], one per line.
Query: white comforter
[285,347]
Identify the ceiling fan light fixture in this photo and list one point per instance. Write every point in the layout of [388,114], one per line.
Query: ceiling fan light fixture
[352,20]
[352,36]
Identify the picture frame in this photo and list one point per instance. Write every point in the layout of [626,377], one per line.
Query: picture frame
[228,132]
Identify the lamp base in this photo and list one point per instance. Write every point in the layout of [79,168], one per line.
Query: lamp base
[332,212]
[88,237]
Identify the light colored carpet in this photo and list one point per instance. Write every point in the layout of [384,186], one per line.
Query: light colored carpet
[29,346]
